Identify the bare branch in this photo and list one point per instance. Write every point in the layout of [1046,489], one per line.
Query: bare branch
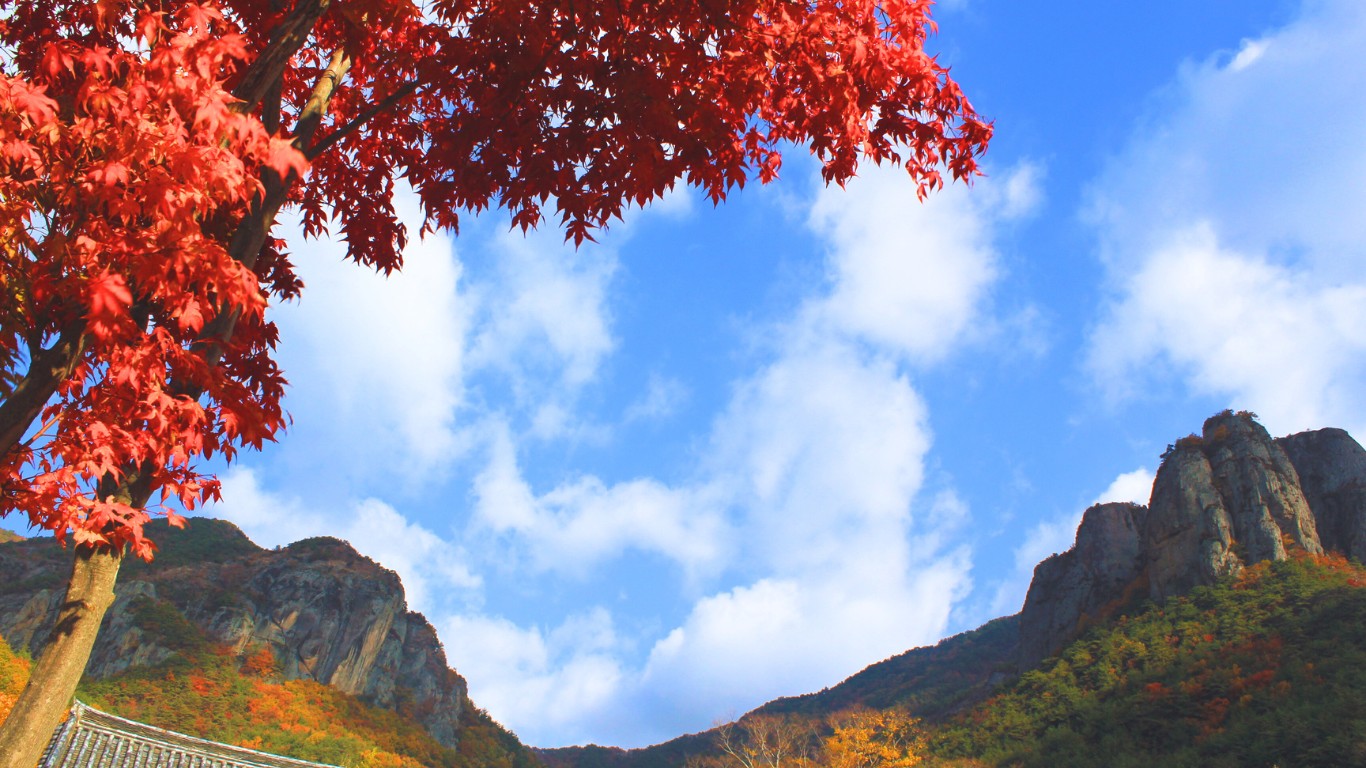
[360,120]
[315,109]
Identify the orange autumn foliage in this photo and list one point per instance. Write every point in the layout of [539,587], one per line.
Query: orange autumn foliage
[14,671]
[874,739]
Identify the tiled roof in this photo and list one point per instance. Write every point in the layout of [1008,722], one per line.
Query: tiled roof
[94,739]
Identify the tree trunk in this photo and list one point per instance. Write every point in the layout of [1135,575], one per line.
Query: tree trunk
[52,683]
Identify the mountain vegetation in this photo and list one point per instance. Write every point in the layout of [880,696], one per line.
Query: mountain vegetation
[306,651]
[207,690]
[1224,624]
[1265,668]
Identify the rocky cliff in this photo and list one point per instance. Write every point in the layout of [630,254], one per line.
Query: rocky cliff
[1072,587]
[1332,470]
[326,613]
[1222,500]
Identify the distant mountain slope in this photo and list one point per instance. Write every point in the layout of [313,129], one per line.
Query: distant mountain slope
[208,691]
[929,682]
[212,600]
[1266,668]
[1224,501]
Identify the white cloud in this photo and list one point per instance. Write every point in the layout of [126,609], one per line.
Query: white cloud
[546,310]
[911,276]
[1232,230]
[676,203]
[781,636]
[825,450]
[1282,341]
[1135,487]
[549,684]
[822,456]
[268,519]
[1248,55]
[426,563]
[378,356]
[579,524]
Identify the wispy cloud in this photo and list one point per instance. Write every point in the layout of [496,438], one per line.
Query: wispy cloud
[546,311]
[1234,239]
[908,276]
[383,357]
[576,526]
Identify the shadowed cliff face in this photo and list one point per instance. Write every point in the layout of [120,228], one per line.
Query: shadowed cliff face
[1332,470]
[327,613]
[1221,501]
[1075,586]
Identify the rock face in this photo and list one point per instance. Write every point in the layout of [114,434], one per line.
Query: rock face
[1223,500]
[326,613]
[1188,540]
[1260,487]
[1332,470]
[1071,587]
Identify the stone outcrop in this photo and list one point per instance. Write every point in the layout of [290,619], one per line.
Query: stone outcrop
[1188,539]
[1260,487]
[1332,470]
[1222,500]
[1072,588]
[327,614]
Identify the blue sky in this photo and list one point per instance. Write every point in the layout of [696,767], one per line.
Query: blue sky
[735,453]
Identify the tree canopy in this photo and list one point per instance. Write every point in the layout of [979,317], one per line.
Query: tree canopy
[146,147]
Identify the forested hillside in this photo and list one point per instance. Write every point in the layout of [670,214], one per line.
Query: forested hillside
[206,690]
[307,651]
[1268,668]
[1224,623]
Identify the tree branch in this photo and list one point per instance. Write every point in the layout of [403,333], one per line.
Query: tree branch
[315,109]
[251,232]
[285,41]
[388,102]
[46,372]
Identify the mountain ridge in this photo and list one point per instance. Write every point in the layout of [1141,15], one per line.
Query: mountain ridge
[1226,499]
[1223,502]
[324,611]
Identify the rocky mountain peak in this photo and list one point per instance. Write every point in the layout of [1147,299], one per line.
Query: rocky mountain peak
[1222,500]
[325,611]
[1072,587]
[1332,471]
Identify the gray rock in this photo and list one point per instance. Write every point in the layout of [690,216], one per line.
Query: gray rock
[1226,499]
[1332,471]
[1080,586]
[1260,489]
[327,613]
[1188,537]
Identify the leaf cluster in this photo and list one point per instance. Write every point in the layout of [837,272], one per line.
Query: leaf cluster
[146,148]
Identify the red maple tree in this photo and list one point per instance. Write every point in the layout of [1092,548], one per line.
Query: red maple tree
[147,146]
